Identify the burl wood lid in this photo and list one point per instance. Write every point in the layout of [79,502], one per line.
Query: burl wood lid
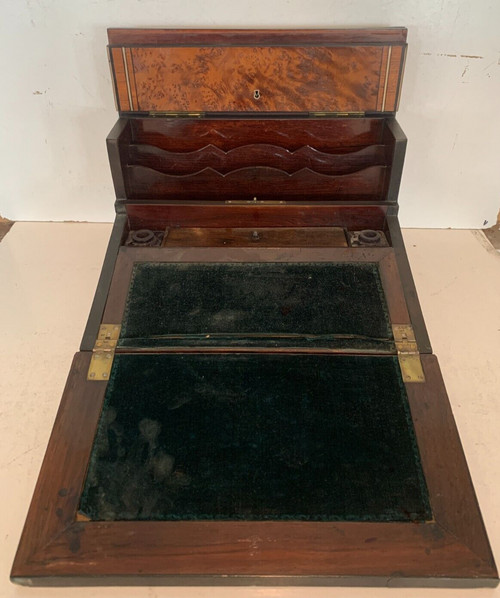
[242,71]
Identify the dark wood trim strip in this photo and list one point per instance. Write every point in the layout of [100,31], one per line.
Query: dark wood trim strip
[157,215]
[453,500]
[261,37]
[391,281]
[57,492]
[396,160]
[394,73]
[101,294]
[410,291]
[119,135]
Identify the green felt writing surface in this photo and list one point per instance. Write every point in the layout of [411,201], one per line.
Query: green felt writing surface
[257,437]
[335,305]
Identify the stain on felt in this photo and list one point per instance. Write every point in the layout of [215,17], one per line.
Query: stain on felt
[256,437]
[336,305]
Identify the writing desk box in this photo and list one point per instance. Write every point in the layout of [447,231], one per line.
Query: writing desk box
[255,399]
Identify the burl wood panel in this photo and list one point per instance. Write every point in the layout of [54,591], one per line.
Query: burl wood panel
[257,79]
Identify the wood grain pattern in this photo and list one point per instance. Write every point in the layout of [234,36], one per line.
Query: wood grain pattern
[383,78]
[213,159]
[394,78]
[55,544]
[326,135]
[225,79]
[258,71]
[120,79]
[416,316]
[258,182]
[319,236]
[131,75]
[234,37]
[445,467]
[161,214]
[274,156]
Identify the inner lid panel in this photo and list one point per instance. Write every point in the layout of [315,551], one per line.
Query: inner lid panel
[334,305]
[255,437]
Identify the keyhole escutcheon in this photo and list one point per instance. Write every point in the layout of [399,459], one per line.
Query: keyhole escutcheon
[256,94]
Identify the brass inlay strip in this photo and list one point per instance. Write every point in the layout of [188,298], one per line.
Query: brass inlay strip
[386,82]
[125,67]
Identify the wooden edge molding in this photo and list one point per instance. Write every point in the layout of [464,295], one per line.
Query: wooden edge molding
[384,35]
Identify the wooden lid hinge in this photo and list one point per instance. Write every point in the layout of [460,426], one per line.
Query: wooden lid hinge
[103,352]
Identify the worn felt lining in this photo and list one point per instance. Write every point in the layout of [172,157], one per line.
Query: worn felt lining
[335,305]
[255,437]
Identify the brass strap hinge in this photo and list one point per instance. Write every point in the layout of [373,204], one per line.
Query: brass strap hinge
[408,353]
[103,352]
[335,114]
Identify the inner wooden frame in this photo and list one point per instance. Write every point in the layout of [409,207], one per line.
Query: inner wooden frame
[129,256]
[57,547]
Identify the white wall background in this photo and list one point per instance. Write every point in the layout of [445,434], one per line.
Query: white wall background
[56,103]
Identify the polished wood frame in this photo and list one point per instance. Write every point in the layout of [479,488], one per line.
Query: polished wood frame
[57,548]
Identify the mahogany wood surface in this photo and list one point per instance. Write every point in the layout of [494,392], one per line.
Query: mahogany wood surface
[101,294]
[259,182]
[158,215]
[338,159]
[252,155]
[189,134]
[416,316]
[232,37]
[57,549]
[318,236]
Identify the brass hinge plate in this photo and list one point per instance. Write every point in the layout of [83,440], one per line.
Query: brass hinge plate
[408,353]
[103,352]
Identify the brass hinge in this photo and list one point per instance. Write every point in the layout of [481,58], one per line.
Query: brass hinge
[335,114]
[176,114]
[104,352]
[408,353]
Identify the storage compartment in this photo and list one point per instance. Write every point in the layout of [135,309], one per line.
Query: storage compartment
[257,159]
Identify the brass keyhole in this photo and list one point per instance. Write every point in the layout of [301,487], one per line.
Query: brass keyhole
[256,94]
